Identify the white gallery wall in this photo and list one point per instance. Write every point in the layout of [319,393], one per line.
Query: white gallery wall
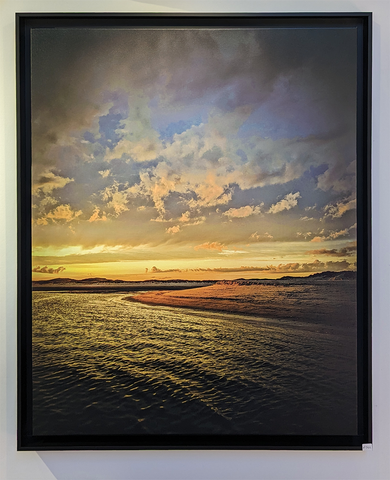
[172,465]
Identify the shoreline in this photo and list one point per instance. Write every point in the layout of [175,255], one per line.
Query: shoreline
[332,305]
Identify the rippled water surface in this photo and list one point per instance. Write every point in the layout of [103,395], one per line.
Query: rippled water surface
[104,365]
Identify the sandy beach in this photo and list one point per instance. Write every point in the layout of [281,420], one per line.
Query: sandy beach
[327,303]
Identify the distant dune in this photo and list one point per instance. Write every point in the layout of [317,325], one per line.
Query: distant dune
[344,275]
[97,285]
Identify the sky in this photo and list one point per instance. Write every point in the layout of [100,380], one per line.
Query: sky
[193,154]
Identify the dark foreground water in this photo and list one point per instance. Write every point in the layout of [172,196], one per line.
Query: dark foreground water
[104,365]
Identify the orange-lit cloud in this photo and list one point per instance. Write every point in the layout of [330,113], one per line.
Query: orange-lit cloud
[210,246]
[185,217]
[95,216]
[243,212]
[62,212]
[173,230]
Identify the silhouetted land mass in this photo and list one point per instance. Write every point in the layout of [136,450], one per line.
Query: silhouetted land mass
[107,285]
[343,275]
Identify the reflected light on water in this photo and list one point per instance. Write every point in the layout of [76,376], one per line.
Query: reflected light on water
[103,365]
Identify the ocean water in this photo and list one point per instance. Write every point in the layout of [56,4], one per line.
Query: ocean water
[104,365]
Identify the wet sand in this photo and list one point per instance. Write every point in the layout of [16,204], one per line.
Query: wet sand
[327,303]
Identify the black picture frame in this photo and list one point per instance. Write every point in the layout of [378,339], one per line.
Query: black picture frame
[25,24]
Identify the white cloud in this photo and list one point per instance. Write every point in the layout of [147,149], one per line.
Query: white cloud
[258,237]
[104,173]
[313,207]
[116,196]
[288,202]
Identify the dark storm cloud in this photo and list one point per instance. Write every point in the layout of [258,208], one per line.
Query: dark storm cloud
[72,64]
[77,72]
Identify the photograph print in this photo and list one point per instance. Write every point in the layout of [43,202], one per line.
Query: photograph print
[194,231]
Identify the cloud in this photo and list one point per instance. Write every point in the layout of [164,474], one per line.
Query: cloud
[141,151]
[316,266]
[157,270]
[46,269]
[211,246]
[249,124]
[306,219]
[47,200]
[288,202]
[339,233]
[243,212]
[173,230]
[42,221]
[214,191]
[219,247]
[312,207]
[334,234]
[117,196]
[341,175]
[193,182]
[104,173]
[62,212]
[189,221]
[258,237]
[95,216]
[48,181]
[156,184]
[337,210]
[232,252]
[342,252]
[185,217]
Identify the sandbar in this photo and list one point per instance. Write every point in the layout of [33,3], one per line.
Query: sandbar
[327,303]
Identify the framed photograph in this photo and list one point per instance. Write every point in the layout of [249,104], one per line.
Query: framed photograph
[194,231]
